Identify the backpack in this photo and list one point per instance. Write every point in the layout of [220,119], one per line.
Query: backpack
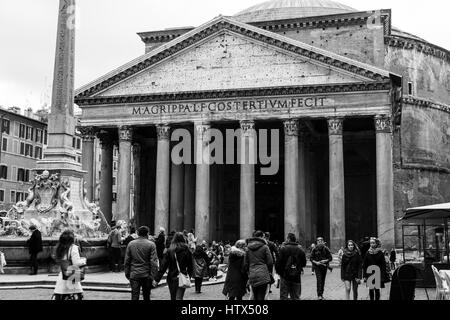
[291,271]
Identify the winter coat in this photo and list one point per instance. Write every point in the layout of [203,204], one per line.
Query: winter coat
[376,258]
[160,244]
[258,262]
[351,266]
[141,260]
[35,242]
[287,250]
[200,265]
[320,253]
[236,279]
[184,257]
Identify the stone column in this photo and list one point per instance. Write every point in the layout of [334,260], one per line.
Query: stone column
[106,188]
[247,194]
[189,197]
[162,179]
[124,174]
[88,136]
[137,181]
[202,182]
[302,152]
[291,178]
[385,181]
[337,191]
[176,197]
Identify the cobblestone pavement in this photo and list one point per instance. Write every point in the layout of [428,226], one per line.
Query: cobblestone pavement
[334,290]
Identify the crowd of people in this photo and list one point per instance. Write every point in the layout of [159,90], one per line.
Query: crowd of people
[250,265]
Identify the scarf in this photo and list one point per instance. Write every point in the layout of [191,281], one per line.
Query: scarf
[374,251]
[349,253]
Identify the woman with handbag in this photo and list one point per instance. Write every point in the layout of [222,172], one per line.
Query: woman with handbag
[178,260]
[68,284]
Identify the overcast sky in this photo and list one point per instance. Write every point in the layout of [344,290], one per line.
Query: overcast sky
[106,37]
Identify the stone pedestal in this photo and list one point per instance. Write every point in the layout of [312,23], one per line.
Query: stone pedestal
[337,191]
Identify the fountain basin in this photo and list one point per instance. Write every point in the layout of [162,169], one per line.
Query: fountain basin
[18,258]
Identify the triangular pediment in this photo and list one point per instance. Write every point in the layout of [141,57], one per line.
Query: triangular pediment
[224,55]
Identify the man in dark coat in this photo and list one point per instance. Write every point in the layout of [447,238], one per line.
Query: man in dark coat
[34,247]
[320,258]
[289,266]
[259,265]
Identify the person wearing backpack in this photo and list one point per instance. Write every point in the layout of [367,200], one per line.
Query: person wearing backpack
[290,264]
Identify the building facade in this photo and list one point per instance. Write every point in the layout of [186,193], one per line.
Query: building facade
[23,138]
[361,109]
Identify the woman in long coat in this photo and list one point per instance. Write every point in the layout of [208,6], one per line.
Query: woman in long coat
[200,267]
[375,257]
[66,249]
[236,280]
[351,269]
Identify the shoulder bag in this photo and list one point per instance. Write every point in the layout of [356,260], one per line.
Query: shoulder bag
[183,280]
[70,272]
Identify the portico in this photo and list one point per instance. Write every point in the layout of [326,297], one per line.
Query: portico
[260,81]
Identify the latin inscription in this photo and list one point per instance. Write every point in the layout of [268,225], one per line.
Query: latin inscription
[230,106]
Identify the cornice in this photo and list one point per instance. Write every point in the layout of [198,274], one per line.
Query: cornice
[328,21]
[251,32]
[420,46]
[236,93]
[426,104]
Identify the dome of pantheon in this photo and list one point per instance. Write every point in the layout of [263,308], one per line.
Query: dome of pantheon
[290,9]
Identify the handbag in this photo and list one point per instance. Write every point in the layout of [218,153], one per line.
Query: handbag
[71,272]
[183,280]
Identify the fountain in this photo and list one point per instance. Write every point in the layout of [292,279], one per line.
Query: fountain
[57,199]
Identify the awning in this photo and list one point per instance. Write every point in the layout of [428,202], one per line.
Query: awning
[435,212]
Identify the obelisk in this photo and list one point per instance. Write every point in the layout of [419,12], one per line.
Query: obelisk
[60,156]
[61,122]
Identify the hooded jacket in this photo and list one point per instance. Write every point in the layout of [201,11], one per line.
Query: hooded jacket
[236,280]
[258,262]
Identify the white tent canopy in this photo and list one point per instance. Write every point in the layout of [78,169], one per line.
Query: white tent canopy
[436,211]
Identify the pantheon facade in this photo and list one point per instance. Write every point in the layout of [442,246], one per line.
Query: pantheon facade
[362,111]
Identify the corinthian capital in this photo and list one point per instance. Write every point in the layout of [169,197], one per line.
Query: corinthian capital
[202,130]
[335,126]
[163,132]
[247,127]
[125,133]
[383,123]
[87,133]
[291,127]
